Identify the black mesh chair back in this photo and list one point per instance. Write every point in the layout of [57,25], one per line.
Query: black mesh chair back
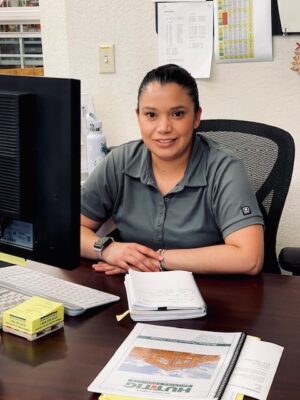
[268,155]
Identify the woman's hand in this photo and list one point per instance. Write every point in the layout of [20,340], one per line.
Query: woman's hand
[119,257]
[108,269]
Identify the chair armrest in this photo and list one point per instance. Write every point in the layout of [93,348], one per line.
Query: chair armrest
[289,259]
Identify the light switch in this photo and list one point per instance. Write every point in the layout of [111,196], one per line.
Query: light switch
[107,59]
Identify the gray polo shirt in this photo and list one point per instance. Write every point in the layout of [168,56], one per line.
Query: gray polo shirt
[213,199]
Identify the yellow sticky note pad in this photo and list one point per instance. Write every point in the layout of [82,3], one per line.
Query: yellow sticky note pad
[33,318]
[12,259]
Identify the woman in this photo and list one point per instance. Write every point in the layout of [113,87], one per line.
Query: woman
[177,199]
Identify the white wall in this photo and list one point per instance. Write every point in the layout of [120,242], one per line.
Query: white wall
[267,92]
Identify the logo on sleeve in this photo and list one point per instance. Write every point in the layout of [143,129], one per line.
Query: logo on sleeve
[246,210]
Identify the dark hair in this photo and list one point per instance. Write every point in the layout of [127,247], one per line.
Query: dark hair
[172,73]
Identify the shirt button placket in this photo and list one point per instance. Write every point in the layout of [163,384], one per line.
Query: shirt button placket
[160,220]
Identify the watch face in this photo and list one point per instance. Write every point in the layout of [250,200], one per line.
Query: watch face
[103,242]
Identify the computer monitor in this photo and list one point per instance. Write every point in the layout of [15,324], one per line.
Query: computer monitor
[40,169]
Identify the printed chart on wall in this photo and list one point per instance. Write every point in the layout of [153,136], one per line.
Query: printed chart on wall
[185,36]
[243,30]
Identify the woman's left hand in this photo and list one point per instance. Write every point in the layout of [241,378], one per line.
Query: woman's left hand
[108,269]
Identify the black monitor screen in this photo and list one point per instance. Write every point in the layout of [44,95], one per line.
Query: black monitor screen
[40,169]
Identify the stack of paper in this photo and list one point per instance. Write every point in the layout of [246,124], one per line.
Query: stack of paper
[158,296]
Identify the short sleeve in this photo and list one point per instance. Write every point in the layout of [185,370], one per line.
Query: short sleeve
[99,191]
[233,200]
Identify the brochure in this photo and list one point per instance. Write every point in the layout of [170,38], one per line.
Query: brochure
[158,362]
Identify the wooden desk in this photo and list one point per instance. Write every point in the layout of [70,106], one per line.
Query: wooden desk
[62,365]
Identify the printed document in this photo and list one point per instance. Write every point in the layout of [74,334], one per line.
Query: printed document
[185,36]
[255,369]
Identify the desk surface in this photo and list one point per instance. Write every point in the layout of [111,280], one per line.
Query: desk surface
[62,365]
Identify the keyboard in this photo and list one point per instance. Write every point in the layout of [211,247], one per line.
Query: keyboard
[75,298]
[9,299]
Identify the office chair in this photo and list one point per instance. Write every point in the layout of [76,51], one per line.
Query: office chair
[268,155]
[289,259]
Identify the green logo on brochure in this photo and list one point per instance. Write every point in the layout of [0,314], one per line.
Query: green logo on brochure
[157,386]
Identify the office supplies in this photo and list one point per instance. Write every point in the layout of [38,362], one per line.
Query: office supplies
[158,296]
[157,362]
[9,299]
[34,318]
[75,298]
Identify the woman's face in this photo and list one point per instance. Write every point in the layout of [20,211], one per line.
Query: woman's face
[167,118]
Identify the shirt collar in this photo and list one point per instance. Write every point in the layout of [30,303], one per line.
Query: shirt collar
[195,174]
[139,166]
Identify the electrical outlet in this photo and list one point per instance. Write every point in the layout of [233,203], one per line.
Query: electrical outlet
[107,59]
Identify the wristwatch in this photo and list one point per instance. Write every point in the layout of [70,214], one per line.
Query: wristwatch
[101,244]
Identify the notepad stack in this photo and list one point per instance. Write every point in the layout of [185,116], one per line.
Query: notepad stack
[34,318]
[157,296]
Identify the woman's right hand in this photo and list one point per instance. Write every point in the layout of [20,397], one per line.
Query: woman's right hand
[119,257]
